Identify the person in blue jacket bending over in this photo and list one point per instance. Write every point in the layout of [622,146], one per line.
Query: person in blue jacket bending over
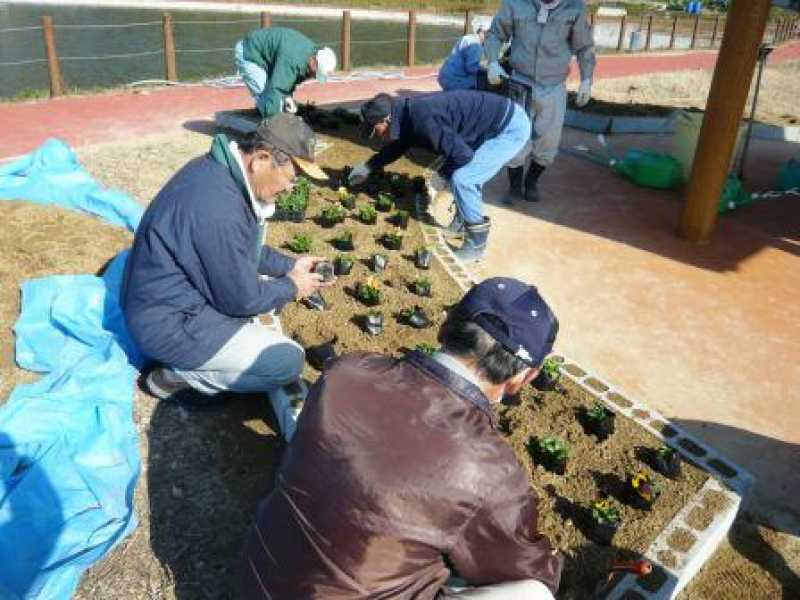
[199,273]
[460,70]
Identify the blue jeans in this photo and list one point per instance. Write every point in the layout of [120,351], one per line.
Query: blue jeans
[489,158]
[254,77]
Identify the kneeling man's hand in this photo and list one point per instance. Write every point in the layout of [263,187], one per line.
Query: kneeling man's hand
[305,280]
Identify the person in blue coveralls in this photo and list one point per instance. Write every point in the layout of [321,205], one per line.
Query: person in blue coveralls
[462,68]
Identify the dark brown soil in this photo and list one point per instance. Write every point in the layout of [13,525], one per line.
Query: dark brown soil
[594,470]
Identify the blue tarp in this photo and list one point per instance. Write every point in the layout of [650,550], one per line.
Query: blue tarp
[69,450]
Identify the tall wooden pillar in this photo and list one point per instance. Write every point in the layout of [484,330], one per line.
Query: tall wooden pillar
[747,20]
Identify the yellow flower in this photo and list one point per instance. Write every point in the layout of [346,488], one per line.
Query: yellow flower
[343,193]
[372,282]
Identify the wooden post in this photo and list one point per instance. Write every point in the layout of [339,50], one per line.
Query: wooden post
[592,16]
[775,34]
[412,38]
[53,66]
[716,30]
[170,67]
[649,33]
[674,31]
[621,41]
[747,20]
[467,21]
[346,40]
[694,31]
[266,20]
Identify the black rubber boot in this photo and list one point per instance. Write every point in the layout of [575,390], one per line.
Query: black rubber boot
[534,172]
[475,237]
[515,184]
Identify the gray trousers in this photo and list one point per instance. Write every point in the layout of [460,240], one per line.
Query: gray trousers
[527,589]
[256,359]
[546,109]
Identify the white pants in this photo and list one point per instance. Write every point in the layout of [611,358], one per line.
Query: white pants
[527,589]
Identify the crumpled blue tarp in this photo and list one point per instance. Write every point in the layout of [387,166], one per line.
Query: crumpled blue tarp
[69,453]
[52,175]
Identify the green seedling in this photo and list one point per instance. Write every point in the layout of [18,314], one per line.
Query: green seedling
[554,448]
[598,412]
[425,348]
[422,286]
[367,214]
[604,512]
[384,202]
[334,213]
[301,243]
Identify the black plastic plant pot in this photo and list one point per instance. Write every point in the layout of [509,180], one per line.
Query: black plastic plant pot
[344,245]
[419,184]
[369,221]
[342,267]
[328,223]
[325,269]
[379,262]
[367,300]
[602,428]
[383,206]
[669,465]
[349,202]
[422,259]
[544,382]
[401,220]
[635,499]
[423,290]
[418,319]
[296,216]
[316,302]
[553,464]
[392,243]
[373,323]
[602,533]
[317,356]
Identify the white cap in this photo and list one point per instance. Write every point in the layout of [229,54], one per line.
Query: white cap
[480,23]
[326,63]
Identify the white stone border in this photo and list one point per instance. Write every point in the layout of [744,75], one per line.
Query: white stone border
[725,476]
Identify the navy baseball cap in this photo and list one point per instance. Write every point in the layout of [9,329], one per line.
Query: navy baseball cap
[374,111]
[518,317]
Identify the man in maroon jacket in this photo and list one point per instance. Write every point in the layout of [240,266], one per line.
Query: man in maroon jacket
[396,478]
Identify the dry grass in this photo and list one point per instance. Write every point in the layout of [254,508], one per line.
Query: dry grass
[777,103]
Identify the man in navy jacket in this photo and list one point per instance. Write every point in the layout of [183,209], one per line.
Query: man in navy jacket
[199,273]
[475,133]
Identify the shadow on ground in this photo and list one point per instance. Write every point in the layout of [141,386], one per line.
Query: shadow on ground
[207,472]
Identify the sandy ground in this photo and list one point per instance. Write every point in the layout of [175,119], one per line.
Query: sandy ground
[215,466]
[777,102]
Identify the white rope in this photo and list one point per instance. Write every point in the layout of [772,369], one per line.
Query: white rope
[31,28]
[129,55]
[107,26]
[216,22]
[22,62]
[201,50]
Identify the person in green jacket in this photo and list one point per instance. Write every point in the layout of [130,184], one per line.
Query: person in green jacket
[274,60]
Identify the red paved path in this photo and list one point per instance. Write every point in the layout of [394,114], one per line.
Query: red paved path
[81,120]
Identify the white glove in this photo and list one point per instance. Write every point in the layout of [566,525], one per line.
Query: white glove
[359,174]
[289,105]
[584,93]
[495,73]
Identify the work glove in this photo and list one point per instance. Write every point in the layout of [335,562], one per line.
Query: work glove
[496,74]
[289,105]
[584,93]
[359,174]
[435,184]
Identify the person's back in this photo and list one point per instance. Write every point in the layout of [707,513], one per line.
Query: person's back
[395,466]
[460,70]
[263,46]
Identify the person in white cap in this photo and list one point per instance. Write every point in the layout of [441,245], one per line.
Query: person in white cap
[274,60]
[544,35]
[462,68]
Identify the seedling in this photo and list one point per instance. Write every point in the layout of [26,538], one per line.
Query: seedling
[344,241]
[325,269]
[374,322]
[425,348]
[422,257]
[553,453]
[605,520]
[598,420]
[548,377]
[347,199]
[343,264]
[667,462]
[415,317]
[369,292]
[379,262]
[422,287]
[384,202]
[367,214]
[291,207]
[401,219]
[332,214]
[301,243]
[641,490]
[392,241]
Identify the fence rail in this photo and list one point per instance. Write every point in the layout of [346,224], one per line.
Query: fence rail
[652,31]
